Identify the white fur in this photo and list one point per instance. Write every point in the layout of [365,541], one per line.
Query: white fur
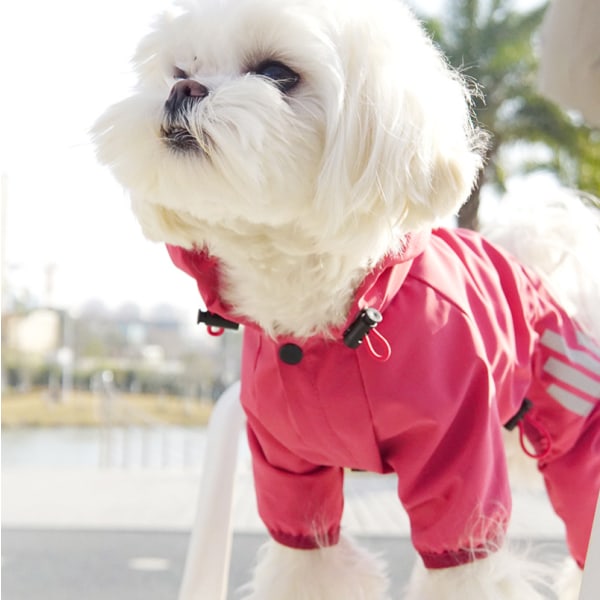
[341,572]
[557,235]
[569,580]
[507,573]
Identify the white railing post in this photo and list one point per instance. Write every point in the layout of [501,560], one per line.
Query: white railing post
[590,587]
[206,569]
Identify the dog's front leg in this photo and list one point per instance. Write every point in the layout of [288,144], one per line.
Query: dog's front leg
[341,572]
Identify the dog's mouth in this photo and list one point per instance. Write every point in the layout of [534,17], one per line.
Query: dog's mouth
[179,139]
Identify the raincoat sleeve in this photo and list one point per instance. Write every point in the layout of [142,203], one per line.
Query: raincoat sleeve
[300,503]
[447,449]
[456,489]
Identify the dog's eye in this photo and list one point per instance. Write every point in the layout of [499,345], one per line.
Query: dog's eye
[180,73]
[283,77]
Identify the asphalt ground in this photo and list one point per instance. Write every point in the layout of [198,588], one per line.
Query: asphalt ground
[122,565]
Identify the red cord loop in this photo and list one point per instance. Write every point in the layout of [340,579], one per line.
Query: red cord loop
[215,331]
[387,349]
[544,434]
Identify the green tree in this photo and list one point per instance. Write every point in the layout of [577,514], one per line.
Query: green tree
[491,43]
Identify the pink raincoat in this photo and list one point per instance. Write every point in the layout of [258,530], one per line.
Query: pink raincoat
[471,334]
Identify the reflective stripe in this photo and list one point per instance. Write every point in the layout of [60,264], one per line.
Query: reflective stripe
[571,401]
[572,377]
[556,342]
[587,342]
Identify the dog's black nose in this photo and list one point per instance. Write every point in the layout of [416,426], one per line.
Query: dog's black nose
[182,91]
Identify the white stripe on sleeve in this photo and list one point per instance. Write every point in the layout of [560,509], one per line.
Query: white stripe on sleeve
[570,401]
[556,342]
[572,377]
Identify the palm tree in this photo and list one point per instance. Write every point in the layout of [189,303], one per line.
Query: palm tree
[490,42]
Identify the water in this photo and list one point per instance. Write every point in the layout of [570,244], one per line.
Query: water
[104,447]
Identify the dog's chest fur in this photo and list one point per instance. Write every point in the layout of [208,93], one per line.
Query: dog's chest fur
[284,283]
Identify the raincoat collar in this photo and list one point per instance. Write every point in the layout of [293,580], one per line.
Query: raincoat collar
[376,290]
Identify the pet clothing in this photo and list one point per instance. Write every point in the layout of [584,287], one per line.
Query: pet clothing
[472,334]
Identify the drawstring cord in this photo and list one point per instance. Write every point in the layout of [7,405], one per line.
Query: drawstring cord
[215,331]
[360,329]
[387,349]
[545,436]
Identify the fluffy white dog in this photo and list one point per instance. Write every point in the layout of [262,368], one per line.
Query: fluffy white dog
[296,156]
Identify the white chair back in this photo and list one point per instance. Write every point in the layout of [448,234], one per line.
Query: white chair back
[206,569]
[590,587]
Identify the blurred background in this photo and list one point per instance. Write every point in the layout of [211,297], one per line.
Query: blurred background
[97,327]
[107,384]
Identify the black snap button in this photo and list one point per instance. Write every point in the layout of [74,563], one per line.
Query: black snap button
[290,354]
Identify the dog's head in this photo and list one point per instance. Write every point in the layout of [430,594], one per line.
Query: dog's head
[311,113]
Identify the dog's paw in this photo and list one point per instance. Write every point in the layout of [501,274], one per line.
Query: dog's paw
[341,572]
[504,575]
[568,582]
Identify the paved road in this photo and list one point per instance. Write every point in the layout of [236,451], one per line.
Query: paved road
[119,565]
[115,534]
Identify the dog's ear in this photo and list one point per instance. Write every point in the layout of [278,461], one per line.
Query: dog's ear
[403,142]
[151,58]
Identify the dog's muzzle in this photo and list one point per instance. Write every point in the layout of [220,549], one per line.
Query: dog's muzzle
[176,130]
[184,93]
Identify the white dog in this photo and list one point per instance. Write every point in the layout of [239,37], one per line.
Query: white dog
[296,156]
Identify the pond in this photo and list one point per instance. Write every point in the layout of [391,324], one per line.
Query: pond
[104,447]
